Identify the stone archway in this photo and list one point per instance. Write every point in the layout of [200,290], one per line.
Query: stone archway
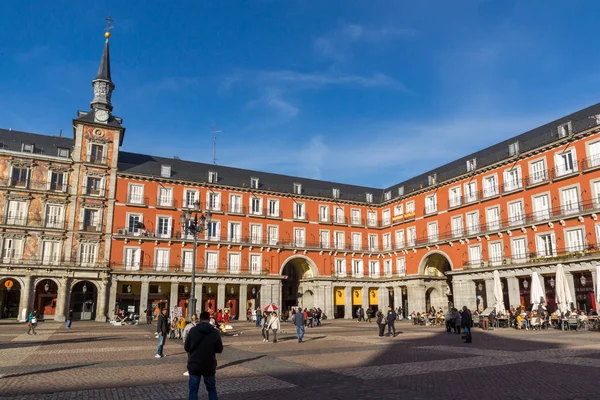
[83,301]
[10,296]
[296,269]
[46,297]
[434,268]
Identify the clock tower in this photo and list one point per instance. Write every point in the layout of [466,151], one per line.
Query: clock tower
[103,87]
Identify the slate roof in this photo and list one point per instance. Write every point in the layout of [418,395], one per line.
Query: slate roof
[43,144]
[104,68]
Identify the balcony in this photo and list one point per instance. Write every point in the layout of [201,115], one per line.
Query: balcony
[236,209]
[513,184]
[559,255]
[44,185]
[137,200]
[201,268]
[590,162]
[272,213]
[13,258]
[566,170]
[340,220]
[301,217]
[166,202]
[96,159]
[48,223]
[539,177]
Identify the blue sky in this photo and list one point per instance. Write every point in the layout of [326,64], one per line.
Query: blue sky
[359,92]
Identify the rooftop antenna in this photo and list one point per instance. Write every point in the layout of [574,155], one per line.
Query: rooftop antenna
[215,131]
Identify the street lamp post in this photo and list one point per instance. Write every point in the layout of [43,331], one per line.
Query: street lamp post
[194,226]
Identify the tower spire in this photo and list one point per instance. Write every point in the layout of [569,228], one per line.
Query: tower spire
[103,84]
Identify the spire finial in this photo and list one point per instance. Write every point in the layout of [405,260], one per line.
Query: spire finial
[109,26]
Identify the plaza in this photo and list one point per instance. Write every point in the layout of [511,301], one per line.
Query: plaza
[339,360]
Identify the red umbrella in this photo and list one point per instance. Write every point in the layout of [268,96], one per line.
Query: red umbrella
[271,307]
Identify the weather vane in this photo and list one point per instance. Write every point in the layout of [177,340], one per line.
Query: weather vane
[109,26]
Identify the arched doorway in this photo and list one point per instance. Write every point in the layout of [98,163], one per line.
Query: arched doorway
[46,293]
[295,270]
[434,267]
[83,300]
[10,295]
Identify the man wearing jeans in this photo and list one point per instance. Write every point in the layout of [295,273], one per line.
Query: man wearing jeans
[162,329]
[298,320]
[202,344]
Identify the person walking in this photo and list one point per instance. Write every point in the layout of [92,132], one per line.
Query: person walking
[274,325]
[69,318]
[391,319]
[32,322]
[369,314]
[298,320]
[162,329]
[258,315]
[149,315]
[467,323]
[381,321]
[265,327]
[202,344]
[186,331]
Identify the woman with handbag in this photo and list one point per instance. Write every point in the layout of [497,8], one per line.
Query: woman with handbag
[381,322]
[274,325]
[32,322]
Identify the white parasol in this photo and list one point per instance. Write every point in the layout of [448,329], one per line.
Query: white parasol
[537,295]
[563,292]
[271,307]
[498,296]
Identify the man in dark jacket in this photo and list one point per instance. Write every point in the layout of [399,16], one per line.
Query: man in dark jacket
[298,320]
[467,323]
[162,329]
[391,318]
[202,344]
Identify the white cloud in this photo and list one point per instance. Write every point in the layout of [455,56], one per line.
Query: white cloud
[274,100]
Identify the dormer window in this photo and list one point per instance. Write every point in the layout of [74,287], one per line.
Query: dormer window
[27,147]
[369,197]
[212,176]
[432,179]
[297,188]
[401,191]
[253,183]
[62,152]
[471,165]
[513,149]
[336,193]
[564,130]
[387,195]
[165,171]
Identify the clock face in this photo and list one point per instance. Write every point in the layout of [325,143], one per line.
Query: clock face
[101,115]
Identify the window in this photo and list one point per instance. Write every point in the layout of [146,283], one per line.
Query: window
[457,226]
[340,267]
[299,237]
[336,193]
[512,179]
[372,218]
[566,162]
[570,201]
[212,261]
[255,234]
[165,197]
[541,207]
[134,224]
[385,217]
[235,204]
[191,198]
[338,214]
[273,235]
[513,149]
[430,204]
[324,213]
[537,171]
[235,232]
[54,216]
[213,201]
[12,250]
[387,241]
[187,260]
[401,266]
[516,215]
[496,253]
[356,241]
[546,245]
[136,194]
[213,177]
[93,187]
[454,195]
[493,218]
[161,258]
[91,220]
[410,207]
[575,240]
[474,255]
[369,197]
[355,216]
[411,234]
[62,152]
[399,239]
[273,208]
[58,181]
[387,195]
[27,147]
[519,249]
[373,243]
[357,268]
[593,154]
[564,130]
[51,253]
[213,230]
[165,171]
[256,206]
[299,211]
[324,239]
[471,165]
[399,210]
[255,263]
[163,226]
[432,231]
[19,177]
[131,260]
[297,188]
[254,183]
[338,240]
[471,192]
[17,213]
[596,193]
[374,268]
[234,262]
[96,154]
[88,254]
[473,223]
[401,191]
[490,186]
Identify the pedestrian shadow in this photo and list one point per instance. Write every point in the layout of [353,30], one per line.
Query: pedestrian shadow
[238,362]
[45,371]
[12,345]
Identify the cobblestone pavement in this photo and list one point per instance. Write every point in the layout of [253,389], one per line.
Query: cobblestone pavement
[339,360]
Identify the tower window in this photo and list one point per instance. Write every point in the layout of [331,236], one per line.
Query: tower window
[212,176]
[165,171]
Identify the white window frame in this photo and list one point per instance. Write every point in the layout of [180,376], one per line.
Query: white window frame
[568,204]
[256,204]
[511,182]
[255,263]
[273,235]
[543,251]
[165,196]
[496,252]
[196,198]
[516,215]
[234,262]
[401,266]
[340,267]
[374,268]
[299,210]
[162,263]
[431,204]
[358,268]
[213,201]
[399,239]
[132,261]
[432,232]
[162,234]
[323,213]
[165,171]
[355,216]
[537,171]
[254,182]
[297,188]
[490,190]
[571,245]
[386,218]
[457,227]
[454,196]
[515,252]
[471,195]
[273,210]
[475,255]
[562,169]
[211,263]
